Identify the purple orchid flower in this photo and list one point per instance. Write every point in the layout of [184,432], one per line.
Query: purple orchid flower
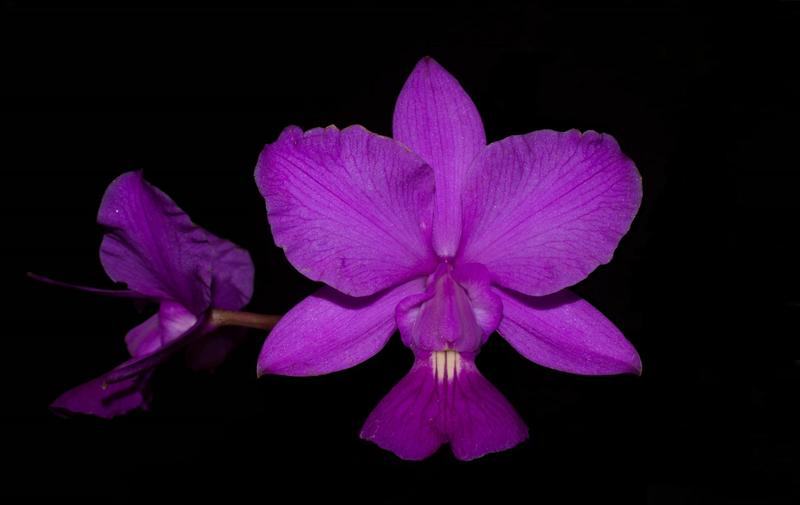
[448,239]
[152,246]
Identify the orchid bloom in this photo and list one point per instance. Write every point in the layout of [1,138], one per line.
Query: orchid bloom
[152,246]
[447,239]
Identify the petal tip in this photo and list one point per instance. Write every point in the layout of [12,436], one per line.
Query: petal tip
[286,366]
[429,61]
[632,364]
[58,407]
[429,67]
[272,367]
[628,365]
[636,366]
[265,366]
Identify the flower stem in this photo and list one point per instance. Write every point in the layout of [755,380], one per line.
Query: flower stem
[248,319]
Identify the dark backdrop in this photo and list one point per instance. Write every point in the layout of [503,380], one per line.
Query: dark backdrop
[705,284]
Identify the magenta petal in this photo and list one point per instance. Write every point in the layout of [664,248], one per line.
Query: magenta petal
[543,210]
[170,323]
[406,421]
[232,274]
[152,245]
[168,341]
[482,420]
[107,401]
[144,338]
[330,331]
[444,399]
[350,208]
[486,306]
[564,332]
[436,118]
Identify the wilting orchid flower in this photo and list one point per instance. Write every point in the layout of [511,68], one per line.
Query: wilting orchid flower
[152,246]
[448,239]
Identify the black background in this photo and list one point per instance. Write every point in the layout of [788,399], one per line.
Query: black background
[705,284]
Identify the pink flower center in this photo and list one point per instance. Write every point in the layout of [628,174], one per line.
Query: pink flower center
[456,312]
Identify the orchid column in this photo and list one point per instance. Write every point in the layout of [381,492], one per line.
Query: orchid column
[447,239]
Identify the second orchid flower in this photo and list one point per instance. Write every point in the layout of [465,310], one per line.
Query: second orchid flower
[153,247]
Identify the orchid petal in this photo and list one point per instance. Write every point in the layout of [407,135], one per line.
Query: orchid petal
[232,274]
[144,338]
[564,332]
[329,331]
[152,245]
[171,345]
[105,400]
[486,306]
[436,118]
[170,323]
[350,208]
[543,210]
